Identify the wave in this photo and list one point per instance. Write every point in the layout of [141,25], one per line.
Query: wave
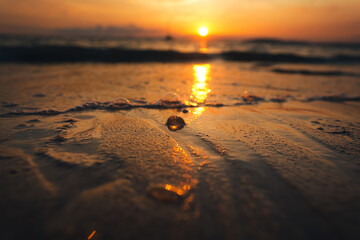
[275,41]
[287,58]
[128,104]
[63,54]
[334,98]
[314,73]
[55,54]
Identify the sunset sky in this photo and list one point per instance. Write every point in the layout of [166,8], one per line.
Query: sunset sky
[313,20]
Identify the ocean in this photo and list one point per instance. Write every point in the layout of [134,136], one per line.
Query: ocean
[273,70]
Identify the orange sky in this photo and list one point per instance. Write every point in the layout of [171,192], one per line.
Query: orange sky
[314,20]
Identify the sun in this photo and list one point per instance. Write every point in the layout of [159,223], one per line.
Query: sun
[203,31]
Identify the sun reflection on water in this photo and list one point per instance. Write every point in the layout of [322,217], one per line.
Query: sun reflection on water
[181,157]
[174,189]
[199,93]
[200,89]
[203,50]
[197,112]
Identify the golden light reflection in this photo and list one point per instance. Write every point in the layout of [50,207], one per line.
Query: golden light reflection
[181,157]
[203,50]
[197,112]
[176,190]
[174,128]
[200,88]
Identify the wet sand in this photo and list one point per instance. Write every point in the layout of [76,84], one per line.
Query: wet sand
[258,170]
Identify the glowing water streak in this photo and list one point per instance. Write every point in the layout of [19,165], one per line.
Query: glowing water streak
[200,88]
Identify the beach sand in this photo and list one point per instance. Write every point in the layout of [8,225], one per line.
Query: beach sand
[283,168]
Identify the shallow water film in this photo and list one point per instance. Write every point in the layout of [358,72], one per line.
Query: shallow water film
[204,150]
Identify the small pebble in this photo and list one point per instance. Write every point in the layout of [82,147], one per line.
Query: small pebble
[175,123]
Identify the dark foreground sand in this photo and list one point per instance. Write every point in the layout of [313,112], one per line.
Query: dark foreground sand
[263,171]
